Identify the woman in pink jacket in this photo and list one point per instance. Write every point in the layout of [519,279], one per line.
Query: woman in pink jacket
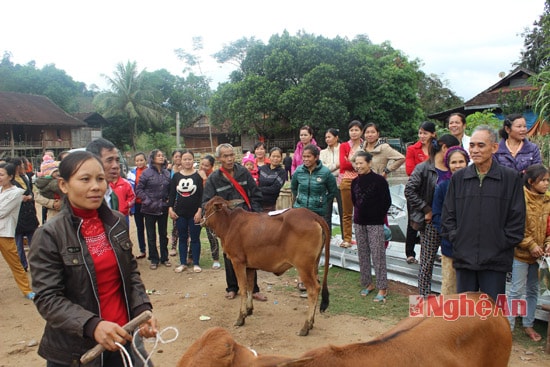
[306,137]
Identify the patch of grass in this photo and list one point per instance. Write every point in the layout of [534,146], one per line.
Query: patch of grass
[344,287]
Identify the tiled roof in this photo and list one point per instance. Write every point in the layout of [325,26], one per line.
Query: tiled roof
[30,109]
[196,130]
[509,83]
[516,81]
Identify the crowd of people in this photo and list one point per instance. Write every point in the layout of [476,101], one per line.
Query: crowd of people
[483,203]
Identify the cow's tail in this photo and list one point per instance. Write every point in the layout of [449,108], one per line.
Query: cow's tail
[326,241]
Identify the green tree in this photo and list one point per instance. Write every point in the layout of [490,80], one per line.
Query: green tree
[192,93]
[235,52]
[535,55]
[48,81]
[482,118]
[307,79]
[129,99]
[435,94]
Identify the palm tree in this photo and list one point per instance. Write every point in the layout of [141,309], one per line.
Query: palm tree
[127,98]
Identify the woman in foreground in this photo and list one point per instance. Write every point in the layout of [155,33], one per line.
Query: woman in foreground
[86,277]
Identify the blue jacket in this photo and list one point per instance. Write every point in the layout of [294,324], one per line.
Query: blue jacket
[437,209]
[314,190]
[527,156]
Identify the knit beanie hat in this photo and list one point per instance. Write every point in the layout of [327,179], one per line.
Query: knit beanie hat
[47,166]
[248,157]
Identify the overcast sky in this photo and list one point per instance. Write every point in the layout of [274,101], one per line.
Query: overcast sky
[466,42]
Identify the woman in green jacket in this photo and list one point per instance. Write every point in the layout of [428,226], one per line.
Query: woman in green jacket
[313,185]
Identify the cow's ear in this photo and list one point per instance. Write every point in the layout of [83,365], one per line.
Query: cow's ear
[232,204]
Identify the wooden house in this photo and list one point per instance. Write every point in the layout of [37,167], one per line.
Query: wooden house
[201,136]
[30,124]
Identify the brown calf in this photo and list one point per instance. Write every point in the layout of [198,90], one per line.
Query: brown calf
[272,243]
[415,341]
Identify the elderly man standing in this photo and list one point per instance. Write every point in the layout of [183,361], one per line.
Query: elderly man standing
[233,181]
[484,217]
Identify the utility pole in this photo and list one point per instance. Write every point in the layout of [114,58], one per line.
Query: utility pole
[178,143]
[210,134]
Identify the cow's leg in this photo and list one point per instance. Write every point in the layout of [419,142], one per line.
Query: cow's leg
[309,278]
[250,274]
[240,273]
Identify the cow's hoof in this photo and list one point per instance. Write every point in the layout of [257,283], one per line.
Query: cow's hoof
[239,322]
[249,312]
[303,332]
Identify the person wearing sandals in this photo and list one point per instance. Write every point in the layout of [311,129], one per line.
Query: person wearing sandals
[535,244]
[233,181]
[313,186]
[347,174]
[153,189]
[173,168]
[370,194]
[184,207]
[206,167]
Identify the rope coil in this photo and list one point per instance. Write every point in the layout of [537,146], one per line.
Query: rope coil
[159,339]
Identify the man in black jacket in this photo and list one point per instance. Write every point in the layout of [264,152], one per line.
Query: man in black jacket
[484,218]
[218,184]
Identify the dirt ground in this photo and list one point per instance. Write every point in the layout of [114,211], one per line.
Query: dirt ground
[179,301]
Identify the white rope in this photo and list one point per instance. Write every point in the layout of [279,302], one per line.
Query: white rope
[159,339]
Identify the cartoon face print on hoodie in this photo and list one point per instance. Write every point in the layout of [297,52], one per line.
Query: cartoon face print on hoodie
[186,187]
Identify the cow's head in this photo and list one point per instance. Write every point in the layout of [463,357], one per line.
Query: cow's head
[215,205]
[217,348]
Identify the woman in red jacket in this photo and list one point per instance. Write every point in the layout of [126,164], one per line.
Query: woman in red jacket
[347,174]
[418,152]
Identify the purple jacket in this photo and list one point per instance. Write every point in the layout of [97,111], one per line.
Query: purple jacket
[153,189]
[527,156]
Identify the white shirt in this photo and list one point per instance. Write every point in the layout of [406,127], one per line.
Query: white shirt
[10,204]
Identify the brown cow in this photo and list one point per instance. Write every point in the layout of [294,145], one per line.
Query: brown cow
[271,243]
[415,341]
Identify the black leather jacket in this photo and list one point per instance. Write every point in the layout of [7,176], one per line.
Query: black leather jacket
[419,192]
[63,277]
